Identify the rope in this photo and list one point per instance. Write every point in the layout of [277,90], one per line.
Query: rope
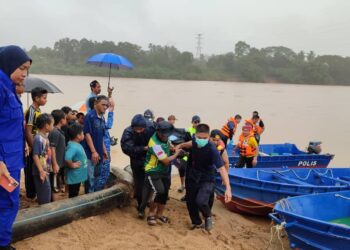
[276,231]
[300,178]
[341,196]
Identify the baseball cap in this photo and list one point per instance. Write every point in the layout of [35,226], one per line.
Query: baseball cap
[196,118]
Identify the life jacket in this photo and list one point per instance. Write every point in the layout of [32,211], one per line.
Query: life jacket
[244,148]
[191,130]
[256,128]
[225,130]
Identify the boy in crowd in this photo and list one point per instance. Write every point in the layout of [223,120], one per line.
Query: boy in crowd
[204,161]
[76,160]
[58,147]
[42,159]
[39,97]
[248,148]
[157,164]
[80,118]
[95,149]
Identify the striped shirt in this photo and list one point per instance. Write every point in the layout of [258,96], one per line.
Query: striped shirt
[30,116]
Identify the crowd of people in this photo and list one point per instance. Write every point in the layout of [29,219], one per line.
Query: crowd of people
[155,145]
[67,149]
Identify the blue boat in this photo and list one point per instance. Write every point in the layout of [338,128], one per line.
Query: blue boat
[255,191]
[284,155]
[319,221]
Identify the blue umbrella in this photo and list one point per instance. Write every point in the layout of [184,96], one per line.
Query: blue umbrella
[110,60]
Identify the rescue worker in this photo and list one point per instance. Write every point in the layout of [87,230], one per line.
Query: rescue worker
[192,131]
[195,121]
[216,138]
[230,127]
[203,164]
[248,148]
[257,125]
[158,160]
[14,66]
[148,114]
[134,143]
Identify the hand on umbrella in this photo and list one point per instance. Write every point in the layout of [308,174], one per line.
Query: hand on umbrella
[110,91]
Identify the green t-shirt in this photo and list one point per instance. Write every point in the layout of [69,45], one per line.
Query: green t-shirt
[157,151]
[75,152]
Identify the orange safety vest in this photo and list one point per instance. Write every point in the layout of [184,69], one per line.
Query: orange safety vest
[225,129]
[256,128]
[244,148]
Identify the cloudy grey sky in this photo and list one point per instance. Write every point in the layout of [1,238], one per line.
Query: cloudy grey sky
[319,25]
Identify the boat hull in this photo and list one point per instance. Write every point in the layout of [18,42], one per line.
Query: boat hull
[307,220]
[253,193]
[284,155]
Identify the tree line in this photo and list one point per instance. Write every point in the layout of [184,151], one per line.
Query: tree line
[244,63]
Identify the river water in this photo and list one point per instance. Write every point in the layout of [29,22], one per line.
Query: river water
[291,113]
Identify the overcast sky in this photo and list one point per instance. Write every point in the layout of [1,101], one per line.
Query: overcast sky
[319,25]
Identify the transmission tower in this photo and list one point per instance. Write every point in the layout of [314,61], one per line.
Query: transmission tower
[199,38]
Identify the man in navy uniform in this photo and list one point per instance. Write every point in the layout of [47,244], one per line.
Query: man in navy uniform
[14,65]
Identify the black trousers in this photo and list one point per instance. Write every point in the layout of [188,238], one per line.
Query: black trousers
[199,198]
[73,190]
[138,174]
[28,177]
[244,161]
[157,183]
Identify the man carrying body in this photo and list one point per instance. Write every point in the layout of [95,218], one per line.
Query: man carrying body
[204,161]
[158,160]
[134,143]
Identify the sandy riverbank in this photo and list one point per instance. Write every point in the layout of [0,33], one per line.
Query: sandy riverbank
[120,229]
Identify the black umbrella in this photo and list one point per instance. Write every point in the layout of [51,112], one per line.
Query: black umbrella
[32,82]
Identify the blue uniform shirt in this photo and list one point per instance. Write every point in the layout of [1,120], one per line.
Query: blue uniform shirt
[11,125]
[95,126]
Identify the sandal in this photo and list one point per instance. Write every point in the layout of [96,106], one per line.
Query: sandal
[163,219]
[196,226]
[152,220]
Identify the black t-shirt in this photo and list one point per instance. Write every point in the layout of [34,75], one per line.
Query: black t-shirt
[261,124]
[203,162]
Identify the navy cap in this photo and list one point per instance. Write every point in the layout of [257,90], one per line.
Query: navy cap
[138,121]
[165,128]
[196,118]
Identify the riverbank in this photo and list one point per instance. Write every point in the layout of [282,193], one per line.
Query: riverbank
[120,229]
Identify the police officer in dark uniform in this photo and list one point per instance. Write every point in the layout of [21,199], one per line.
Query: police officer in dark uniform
[134,143]
[14,65]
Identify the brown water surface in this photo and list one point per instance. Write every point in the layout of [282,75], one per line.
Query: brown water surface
[291,113]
